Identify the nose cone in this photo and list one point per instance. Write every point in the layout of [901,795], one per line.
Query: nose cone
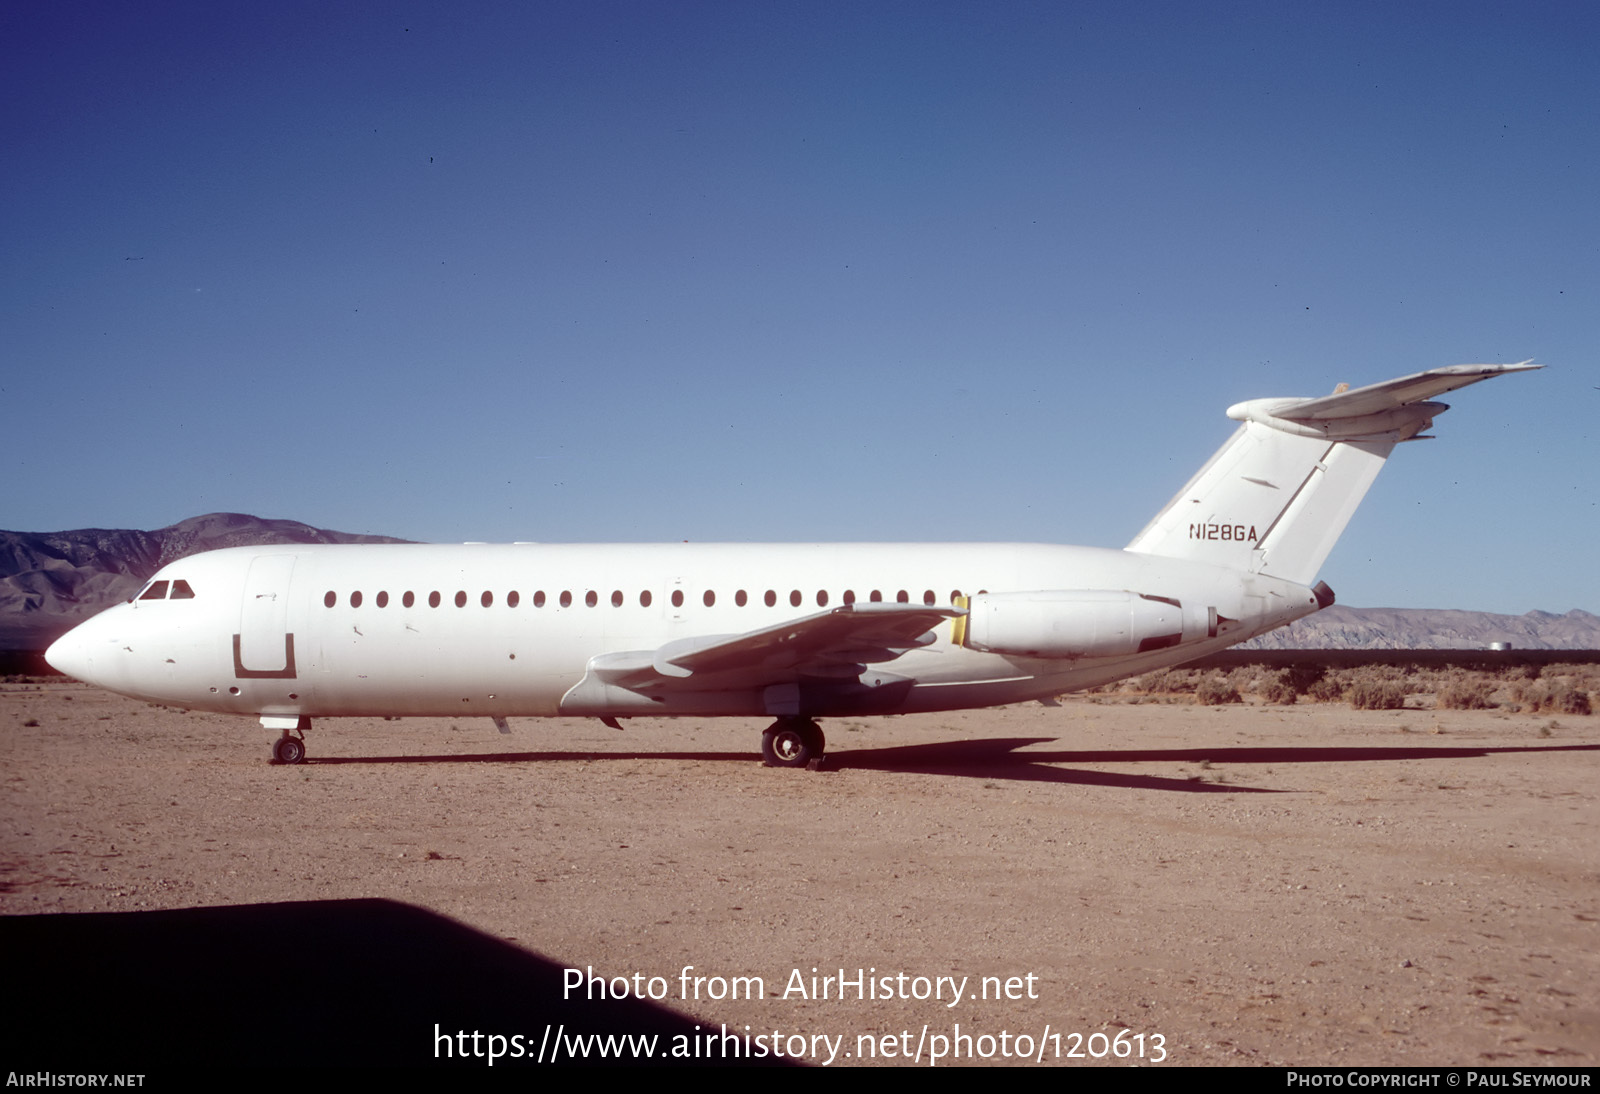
[69,654]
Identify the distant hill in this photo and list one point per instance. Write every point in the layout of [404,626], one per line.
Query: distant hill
[1342,628]
[51,581]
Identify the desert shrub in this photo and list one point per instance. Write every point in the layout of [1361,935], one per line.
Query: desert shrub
[1242,679]
[1302,678]
[1215,691]
[1370,694]
[1434,680]
[1465,694]
[1329,689]
[1166,682]
[1556,697]
[1276,691]
[1585,677]
[1276,688]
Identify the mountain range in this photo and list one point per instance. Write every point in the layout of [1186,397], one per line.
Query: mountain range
[51,581]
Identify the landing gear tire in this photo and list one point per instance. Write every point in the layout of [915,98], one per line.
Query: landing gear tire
[792,742]
[819,743]
[289,750]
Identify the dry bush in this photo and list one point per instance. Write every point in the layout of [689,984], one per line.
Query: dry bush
[1329,689]
[1277,688]
[1465,694]
[1304,677]
[1215,691]
[1243,679]
[1371,688]
[1556,697]
[1586,677]
[1279,693]
[1167,682]
[1436,680]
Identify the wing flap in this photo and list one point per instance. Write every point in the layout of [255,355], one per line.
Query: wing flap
[866,632]
[834,644]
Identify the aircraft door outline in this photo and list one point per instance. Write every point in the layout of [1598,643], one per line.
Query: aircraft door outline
[264,621]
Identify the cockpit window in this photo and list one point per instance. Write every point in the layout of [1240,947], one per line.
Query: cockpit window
[156,590]
[181,590]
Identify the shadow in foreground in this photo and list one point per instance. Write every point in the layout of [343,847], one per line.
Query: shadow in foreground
[350,983]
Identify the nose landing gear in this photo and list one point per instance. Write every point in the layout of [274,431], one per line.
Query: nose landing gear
[291,747]
[792,742]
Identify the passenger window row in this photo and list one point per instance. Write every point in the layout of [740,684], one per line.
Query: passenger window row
[592,598]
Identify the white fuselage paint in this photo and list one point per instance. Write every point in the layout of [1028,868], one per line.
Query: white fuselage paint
[259,614]
[292,633]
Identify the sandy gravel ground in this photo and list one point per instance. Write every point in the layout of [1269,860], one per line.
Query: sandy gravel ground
[1250,885]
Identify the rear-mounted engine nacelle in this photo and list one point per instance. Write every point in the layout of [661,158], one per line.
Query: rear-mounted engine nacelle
[1082,623]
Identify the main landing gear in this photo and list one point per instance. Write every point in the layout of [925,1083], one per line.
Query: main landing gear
[291,747]
[792,742]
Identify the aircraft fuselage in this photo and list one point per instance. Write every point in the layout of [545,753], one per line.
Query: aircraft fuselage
[508,630]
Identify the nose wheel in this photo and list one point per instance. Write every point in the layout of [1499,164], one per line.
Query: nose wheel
[792,742]
[291,747]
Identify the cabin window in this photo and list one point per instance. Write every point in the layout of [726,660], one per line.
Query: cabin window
[740,598]
[794,598]
[591,598]
[433,599]
[849,596]
[409,599]
[677,598]
[513,598]
[181,590]
[822,598]
[771,598]
[876,597]
[955,595]
[538,599]
[566,598]
[710,598]
[461,598]
[156,591]
[644,599]
[383,599]
[928,598]
[487,599]
[616,598]
[901,597]
[355,599]
[330,599]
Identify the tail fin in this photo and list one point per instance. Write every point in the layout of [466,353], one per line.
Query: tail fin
[1276,496]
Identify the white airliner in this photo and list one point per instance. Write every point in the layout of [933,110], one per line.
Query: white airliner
[791,631]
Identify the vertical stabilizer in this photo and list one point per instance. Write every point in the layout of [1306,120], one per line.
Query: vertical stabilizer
[1275,498]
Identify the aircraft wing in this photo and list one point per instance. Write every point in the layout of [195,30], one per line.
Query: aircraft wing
[834,644]
[1393,393]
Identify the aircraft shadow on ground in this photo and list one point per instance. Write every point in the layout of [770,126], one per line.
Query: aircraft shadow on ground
[1000,758]
[348,983]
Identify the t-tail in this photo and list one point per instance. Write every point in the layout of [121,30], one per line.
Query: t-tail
[1276,496]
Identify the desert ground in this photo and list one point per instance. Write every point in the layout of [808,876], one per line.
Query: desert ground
[1246,884]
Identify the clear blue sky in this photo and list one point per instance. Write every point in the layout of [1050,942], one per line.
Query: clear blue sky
[798,271]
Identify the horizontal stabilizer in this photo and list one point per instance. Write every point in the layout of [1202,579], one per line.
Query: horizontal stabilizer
[1376,398]
[1275,497]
